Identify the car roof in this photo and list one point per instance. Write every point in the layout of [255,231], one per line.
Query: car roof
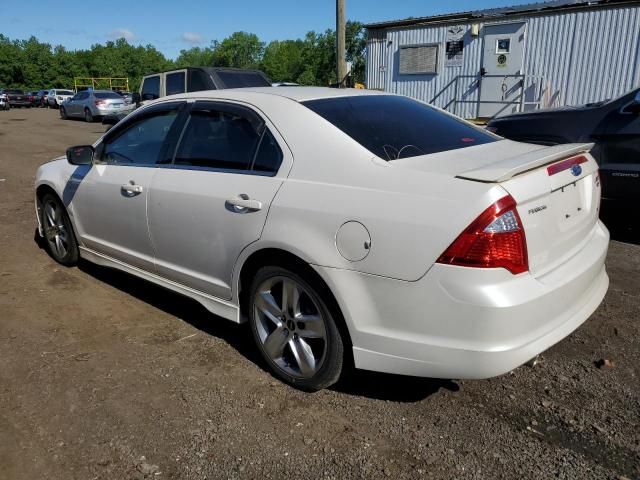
[298,94]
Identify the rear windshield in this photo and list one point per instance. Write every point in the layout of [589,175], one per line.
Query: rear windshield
[107,95]
[239,79]
[14,91]
[394,127]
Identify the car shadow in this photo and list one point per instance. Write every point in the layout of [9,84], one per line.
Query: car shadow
[373,385]
[621,227]
[393,388]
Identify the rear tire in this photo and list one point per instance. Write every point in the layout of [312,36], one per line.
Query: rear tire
[88,117]
[295,332]
[60,240]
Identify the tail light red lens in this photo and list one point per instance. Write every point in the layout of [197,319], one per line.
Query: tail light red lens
[566,164]
[493,240]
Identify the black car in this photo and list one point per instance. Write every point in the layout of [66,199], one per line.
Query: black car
[614,127]
[16,97]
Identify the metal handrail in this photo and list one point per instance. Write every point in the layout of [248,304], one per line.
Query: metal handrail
[519,99]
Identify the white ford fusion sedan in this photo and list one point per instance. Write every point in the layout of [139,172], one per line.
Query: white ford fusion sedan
[343,225]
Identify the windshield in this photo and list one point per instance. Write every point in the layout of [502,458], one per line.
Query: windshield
[394,127]
[107,95]
[64,92]
[14,92]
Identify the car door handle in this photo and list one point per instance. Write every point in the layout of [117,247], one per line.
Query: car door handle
[242,204]
[131,188]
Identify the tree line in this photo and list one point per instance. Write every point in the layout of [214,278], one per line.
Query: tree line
[31,64]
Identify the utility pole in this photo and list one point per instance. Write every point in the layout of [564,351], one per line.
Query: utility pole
[341,42]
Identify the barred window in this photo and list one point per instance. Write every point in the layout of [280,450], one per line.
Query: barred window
[419,59]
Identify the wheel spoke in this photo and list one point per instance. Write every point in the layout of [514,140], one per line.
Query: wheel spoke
[268,307]
[50,213]
[290,297]
[304,356]
[60,247]
[274,344]
[313,326]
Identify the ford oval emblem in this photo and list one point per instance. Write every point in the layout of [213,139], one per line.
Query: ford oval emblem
[576,170]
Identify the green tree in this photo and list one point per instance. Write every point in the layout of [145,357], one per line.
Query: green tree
[240,50]
[195,57]
[282,60]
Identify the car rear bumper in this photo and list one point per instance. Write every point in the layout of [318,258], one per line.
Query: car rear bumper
[459,322]
[19,103]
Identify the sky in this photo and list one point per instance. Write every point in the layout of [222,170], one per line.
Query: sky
[174,25]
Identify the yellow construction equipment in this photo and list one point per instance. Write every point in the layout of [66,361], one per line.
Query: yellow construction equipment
[106,83]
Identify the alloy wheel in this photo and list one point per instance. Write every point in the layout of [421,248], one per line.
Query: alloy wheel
[55,231]
[290,326]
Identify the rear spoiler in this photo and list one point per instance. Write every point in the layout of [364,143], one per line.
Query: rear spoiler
[510,167]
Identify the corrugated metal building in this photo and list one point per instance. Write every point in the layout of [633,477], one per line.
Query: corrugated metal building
[499,61]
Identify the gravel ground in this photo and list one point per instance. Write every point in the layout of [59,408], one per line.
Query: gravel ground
[107,377]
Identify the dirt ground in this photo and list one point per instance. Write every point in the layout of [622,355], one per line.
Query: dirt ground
[103,376]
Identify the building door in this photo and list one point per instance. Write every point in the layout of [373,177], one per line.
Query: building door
[501,63]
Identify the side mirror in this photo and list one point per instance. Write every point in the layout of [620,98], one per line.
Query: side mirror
[135,98]
[80,155]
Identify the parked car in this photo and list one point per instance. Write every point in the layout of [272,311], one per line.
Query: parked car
[16,98]
[57,97]
[341,224]
[195,79]
[127,96]
[92,104]
[40,98]
[612,125]
[4,101]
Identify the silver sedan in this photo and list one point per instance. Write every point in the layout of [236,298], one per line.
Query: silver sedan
[92,104]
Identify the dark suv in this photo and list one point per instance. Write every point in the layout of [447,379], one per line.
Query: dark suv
[194,79]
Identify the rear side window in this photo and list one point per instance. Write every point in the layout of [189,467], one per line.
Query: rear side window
[269,156]
[394,127]
[240,79]
[175,83]
[199,80]
[217,140]
[151,87]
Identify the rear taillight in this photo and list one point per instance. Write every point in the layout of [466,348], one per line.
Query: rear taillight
[566,164]
[100,102]
[493,240]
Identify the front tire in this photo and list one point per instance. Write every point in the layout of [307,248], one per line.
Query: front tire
[294,328]
[60,241]
[88,117]
[63,113]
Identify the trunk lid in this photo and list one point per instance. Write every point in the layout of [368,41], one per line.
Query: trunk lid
[557,191]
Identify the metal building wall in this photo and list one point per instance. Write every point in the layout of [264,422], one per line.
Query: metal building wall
[583,56]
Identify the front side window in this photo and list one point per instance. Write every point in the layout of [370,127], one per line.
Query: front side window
[393,127]
[175,83]
[217,140]
[140,143]
[151,87]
